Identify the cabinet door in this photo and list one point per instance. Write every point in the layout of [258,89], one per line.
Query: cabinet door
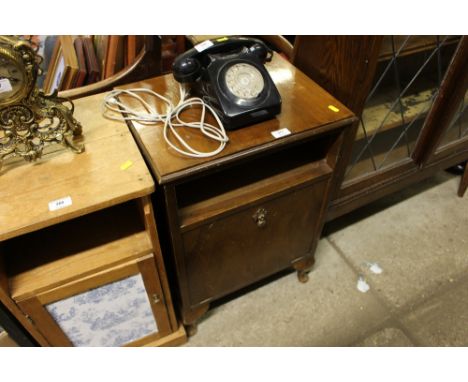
[393,83]
[406,87]
[457,131]
[446,128]
[121,306]
[230,252]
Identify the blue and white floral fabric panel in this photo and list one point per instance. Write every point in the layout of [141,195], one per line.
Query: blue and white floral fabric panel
[111,315]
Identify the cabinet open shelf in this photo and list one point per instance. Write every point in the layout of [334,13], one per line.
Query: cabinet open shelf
[218,193]
[416,106]
[65,252]
[381,116]
[404,90]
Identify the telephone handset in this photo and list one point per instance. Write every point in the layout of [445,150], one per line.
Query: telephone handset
[228,73]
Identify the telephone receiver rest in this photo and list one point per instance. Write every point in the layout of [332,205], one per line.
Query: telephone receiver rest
[188,66]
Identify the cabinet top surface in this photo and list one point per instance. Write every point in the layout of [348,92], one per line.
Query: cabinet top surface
[306,110]
[111,170]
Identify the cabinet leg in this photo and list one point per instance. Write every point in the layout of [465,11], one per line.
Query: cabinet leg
[303,276]
[192,329]
[192,316]
[463,182]
[303,267]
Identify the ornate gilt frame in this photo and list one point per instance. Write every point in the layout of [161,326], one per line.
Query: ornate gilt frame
[31,120]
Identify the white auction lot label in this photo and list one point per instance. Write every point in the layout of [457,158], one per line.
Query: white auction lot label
[60,203]
[281,132]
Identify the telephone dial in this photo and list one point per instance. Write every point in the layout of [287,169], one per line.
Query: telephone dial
[228,74]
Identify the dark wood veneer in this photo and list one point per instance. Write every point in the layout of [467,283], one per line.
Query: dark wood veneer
[256,208]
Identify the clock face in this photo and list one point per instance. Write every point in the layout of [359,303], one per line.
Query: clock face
[244,81]
[12,79]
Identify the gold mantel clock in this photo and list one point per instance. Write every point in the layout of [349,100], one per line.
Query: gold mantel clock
[29,119]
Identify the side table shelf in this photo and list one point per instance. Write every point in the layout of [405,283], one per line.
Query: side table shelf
[92,273]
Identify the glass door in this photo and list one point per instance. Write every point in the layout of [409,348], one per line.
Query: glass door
[406,84]
[458,128]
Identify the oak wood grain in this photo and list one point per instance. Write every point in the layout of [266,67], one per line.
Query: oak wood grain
[156,297]
[100,238]
[344,66]
[22,319]
[34,306]
[90,281]
[63,270]
[150,225]
[44,321]
[178,337]
[93,179]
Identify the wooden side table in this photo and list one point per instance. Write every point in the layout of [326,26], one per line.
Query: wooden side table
[257,207]
[80,257]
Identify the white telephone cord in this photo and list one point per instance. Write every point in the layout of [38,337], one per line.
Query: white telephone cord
[151,115]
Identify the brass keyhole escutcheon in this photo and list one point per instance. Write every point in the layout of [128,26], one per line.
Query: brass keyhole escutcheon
[260,217]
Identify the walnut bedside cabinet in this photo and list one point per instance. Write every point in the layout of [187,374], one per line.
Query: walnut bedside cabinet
[257,207]
[80,259]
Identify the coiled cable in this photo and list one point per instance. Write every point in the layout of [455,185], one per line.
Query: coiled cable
[171,119]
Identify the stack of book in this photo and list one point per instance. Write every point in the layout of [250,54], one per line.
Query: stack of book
[74,61]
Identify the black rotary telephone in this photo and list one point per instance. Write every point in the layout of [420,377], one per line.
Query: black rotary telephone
[228,73]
